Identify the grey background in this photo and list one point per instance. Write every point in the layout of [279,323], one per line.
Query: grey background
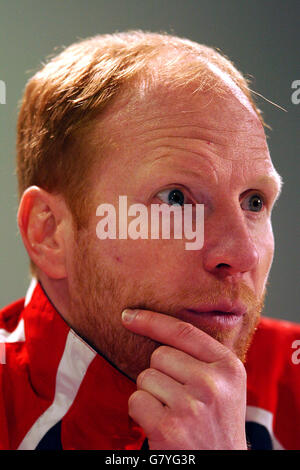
[261,37]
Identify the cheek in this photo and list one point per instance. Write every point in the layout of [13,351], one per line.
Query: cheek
[150,260]
[265,247]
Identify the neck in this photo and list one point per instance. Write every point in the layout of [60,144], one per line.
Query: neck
[57,291]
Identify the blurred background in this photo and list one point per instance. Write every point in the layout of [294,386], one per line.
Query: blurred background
[262,37]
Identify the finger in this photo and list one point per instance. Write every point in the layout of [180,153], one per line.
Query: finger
[179,365]
[145,410]
[167,390]
[201,380]
[174,332]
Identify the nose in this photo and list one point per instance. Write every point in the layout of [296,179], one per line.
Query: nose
[229,249]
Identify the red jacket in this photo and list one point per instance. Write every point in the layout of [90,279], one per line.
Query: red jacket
[56,392]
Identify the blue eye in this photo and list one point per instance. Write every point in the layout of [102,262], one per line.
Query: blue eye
[254,203]
[174,197]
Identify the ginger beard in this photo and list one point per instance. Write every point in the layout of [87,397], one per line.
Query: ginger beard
[99,295]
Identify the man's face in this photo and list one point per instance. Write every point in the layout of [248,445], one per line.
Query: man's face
[213,151]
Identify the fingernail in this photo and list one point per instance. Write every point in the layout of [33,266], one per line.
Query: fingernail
[129,315]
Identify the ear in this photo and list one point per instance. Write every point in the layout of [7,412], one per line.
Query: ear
[45,224]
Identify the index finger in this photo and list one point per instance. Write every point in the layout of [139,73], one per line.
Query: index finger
[174,332]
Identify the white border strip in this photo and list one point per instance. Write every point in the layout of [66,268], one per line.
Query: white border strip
[74,363]
[13,336]
[32,286]
[18,334]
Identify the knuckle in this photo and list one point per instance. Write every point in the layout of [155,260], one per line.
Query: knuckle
[185,330]
[159,354]
[211,387]
[235,366]
[134,400]
[192,406]
[143,376]
[137,403]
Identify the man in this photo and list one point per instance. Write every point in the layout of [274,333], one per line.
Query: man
[135,342]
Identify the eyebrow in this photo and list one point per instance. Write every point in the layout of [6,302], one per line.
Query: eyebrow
[275,181]
[177,166]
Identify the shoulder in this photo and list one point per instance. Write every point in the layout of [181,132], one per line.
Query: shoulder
[274,327]
[274,341]
[10,315]
[10,334]
[273,376]
[274,347]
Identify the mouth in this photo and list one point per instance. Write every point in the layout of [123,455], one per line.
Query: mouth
[224,308]
[223,315]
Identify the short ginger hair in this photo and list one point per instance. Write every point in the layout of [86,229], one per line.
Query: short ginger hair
[62,100]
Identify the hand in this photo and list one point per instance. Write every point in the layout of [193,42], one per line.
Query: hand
[193,396]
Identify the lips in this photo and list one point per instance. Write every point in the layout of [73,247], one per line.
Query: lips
[223,316]
[223,308]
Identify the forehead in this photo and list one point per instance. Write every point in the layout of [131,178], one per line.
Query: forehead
[168,131]
[224,110]
[187,120]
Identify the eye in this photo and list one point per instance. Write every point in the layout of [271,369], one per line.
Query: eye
[253,203]
[174,197]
